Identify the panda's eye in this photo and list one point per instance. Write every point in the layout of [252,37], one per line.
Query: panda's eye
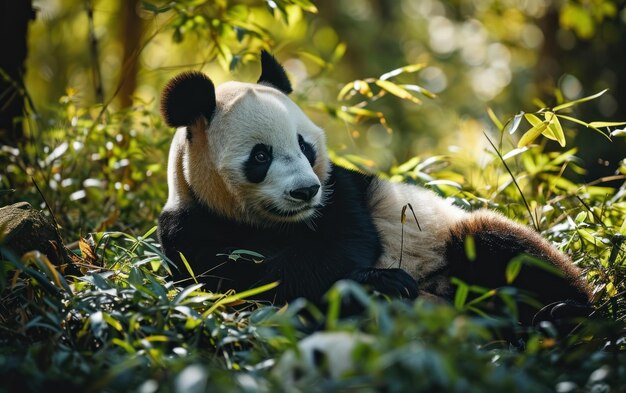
[261,157]
[307,150]
[303,144]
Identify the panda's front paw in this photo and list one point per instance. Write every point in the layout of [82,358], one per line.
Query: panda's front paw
[392,282]
[563,315]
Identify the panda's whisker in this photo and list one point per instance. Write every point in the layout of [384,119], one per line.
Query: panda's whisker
[310,223]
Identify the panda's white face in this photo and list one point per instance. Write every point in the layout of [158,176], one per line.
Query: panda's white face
[270,158]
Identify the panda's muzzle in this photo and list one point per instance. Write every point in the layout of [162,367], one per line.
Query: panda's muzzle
[304,194]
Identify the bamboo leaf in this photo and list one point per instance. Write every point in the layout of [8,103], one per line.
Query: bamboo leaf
[149,233]
[599,124]
[397,91]
[619,132]
[239,296]
[470,248]
[494,118]
[578,101]
[513,269]
[123,344]
[532,119]
[532,134]
[188,267]
[306,5]
[573,119]
[443,182]
[402,70]
[588,125]
[515,152]
[514,123]
[555,130]
[343,93]
[420,90]
[460,297]
[182,295]
[114,323]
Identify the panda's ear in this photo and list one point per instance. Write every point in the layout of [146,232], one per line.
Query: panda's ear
[273,74]
[186,97]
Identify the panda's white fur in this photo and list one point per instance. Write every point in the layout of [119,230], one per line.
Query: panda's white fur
[224,196]
[419,248]
[213,167]
[322,354]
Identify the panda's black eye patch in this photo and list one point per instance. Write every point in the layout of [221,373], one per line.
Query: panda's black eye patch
[307,149]
[258,163]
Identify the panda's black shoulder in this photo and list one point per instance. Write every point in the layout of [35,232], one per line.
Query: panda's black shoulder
[353,183]
[349,192]
[347,215]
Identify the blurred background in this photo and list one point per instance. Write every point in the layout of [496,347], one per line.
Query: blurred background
[87,77]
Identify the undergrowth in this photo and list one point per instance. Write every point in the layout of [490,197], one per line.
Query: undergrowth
[122,325]
[118,322]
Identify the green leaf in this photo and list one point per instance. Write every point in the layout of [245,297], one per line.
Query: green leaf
[470,248]
[532,134]
[532,119]
[188,267]
[515,152]
[578,101]
[513,269]
[574,120]
[599,124]
[494,119]
[514,123]
[444,182]
[619,132]
[150,232]
[343,93]
[555,129]
[420,90]
[182,295]
[239,296]
[460,297]
[338,53]
[402,70]
[114,323]
[123,344]
[397,91]
[306,5]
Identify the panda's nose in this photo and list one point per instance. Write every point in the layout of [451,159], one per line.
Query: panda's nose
[305,193]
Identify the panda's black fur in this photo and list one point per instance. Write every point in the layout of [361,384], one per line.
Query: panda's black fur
[344,244]
[310,240]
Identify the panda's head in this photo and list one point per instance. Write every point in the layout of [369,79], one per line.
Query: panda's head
[246,150]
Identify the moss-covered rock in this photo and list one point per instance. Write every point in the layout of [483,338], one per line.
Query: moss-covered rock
[24,229]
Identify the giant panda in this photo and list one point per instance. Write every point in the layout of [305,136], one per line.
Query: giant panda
[248,170]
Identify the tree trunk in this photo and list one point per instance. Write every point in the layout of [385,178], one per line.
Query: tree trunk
[131,30]
[14,18]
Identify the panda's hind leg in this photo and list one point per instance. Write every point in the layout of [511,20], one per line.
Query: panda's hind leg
[484,243]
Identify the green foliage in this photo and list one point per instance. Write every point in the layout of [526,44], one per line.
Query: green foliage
[97,170]
[229,28]
[122,325]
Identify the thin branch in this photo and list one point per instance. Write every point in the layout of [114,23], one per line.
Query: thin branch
[514,182]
